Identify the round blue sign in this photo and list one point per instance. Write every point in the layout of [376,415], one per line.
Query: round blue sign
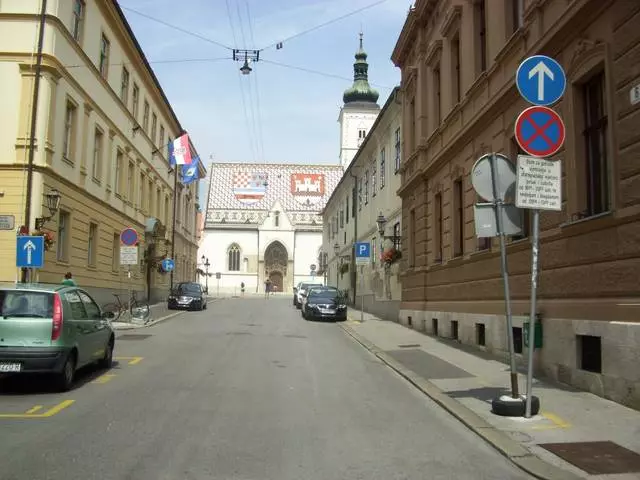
[129,237]
[168,265]
[541,80]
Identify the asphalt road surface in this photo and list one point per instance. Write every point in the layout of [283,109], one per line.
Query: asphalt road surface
[246,390]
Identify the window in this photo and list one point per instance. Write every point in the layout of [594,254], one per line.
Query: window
[438,234]
[595,138]
[135,101]
[93,311]
[383,167]
[63,236]
[346,209]
[154,126]
[361,135]
[234,258]
[97,154]
[412,237]
[374,178]
[149,197]
[141,191]
[161,134]
[105,47]
[397,240]
[342,218]
[397,148]
[515,14]
[78,20]
[366,187]
[131,181]
[458,205]
[158,205]
[124,86]
[455,68]
[414,134]
[145,116]
[166,210]
[360,193]
[354,201]
[437,97]
[68,146]
[115,252]
[117,183]
[480,22]
[92,244]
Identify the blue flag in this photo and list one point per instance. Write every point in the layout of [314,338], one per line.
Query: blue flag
[190,172]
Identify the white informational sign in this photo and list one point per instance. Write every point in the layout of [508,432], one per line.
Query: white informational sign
[539,183]
[128,255]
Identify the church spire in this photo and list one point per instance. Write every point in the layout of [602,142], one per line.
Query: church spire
[360,91]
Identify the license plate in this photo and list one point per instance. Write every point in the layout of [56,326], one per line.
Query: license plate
[328,310]
[10,367]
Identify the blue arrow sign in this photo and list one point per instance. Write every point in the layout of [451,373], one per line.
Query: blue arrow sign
[168,265]
[541,80]
[30,252]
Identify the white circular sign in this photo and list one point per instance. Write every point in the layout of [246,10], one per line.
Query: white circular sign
[505,177]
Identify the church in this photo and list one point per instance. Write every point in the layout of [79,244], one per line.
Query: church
[263,221]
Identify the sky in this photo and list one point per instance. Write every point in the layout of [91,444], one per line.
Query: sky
[278,113]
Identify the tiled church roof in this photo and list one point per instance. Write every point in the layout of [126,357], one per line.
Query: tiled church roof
[299,188]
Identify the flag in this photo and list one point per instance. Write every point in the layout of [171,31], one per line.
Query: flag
[180,151]
[190,172]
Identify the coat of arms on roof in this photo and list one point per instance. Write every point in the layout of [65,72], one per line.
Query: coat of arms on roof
[249,187]
[307,188]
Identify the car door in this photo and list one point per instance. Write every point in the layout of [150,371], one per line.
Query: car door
[81,327]
[99,328]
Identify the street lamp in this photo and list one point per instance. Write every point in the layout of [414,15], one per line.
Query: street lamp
[53,203]
[206,264]
[381,222]
[336,250]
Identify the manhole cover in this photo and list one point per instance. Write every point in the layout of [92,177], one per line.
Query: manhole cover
[597,458]
[409,345]
[133,336]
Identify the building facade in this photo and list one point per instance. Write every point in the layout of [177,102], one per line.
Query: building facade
[366,190]
[263,222]
[102,128]
[459,102]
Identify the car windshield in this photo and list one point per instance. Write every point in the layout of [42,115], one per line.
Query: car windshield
[307,286]
[26,304]
[319,295]
[189,288]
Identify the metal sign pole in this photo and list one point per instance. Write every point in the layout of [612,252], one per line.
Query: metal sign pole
[505,278]
[361,295]
[535,241]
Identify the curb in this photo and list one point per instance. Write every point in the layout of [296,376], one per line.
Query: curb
[513,450]
[150,324]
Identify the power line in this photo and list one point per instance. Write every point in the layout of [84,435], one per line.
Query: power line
[316,72]
[175,27]
[257,87]
[178,60]
[329,22]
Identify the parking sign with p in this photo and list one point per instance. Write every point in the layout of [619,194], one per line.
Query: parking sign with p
[363,252]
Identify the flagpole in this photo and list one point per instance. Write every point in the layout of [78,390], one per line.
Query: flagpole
[173,227]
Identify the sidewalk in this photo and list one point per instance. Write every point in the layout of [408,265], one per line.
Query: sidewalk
[465,382]
[159,313]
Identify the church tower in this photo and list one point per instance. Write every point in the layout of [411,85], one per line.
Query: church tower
[360,109]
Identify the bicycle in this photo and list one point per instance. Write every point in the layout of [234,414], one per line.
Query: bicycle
[136,309]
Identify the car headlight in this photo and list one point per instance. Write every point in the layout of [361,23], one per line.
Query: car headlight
[312,305]
[341,307]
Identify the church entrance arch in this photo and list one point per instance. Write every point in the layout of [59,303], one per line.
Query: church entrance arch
[276,260]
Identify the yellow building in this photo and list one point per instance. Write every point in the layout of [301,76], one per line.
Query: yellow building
[102,128]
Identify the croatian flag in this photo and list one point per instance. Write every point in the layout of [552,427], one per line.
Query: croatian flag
[190,172]
[179,151]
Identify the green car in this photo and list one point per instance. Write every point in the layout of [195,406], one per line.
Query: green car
[54,329]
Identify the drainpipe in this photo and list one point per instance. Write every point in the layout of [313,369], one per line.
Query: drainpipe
[355,231]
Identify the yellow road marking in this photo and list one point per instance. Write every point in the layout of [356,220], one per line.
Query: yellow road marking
[104,378]
[131,360]
[33,410]
[49,413]
[556,420]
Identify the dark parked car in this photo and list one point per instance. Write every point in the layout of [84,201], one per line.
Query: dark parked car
[325,303]
[301,292]
[189,296]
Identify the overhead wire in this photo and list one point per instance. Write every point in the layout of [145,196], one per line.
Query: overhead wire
[175,27]
[257,87]
[244,103]
[328,22]
[177,60]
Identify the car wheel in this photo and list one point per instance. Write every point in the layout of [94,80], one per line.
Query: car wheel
[67,376]
[106,361]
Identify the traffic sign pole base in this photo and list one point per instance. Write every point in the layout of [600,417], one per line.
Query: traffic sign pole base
[507,406]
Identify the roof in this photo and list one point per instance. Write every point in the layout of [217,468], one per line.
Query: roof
[48,287]
[247,186]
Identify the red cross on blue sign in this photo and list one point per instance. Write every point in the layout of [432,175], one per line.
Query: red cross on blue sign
[540,131]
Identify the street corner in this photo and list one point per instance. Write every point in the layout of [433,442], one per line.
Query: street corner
[42,410]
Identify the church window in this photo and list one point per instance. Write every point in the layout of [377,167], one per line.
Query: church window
[276,219]
[234,258]
[362,133]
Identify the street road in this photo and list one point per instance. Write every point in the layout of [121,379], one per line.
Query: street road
[245,390]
